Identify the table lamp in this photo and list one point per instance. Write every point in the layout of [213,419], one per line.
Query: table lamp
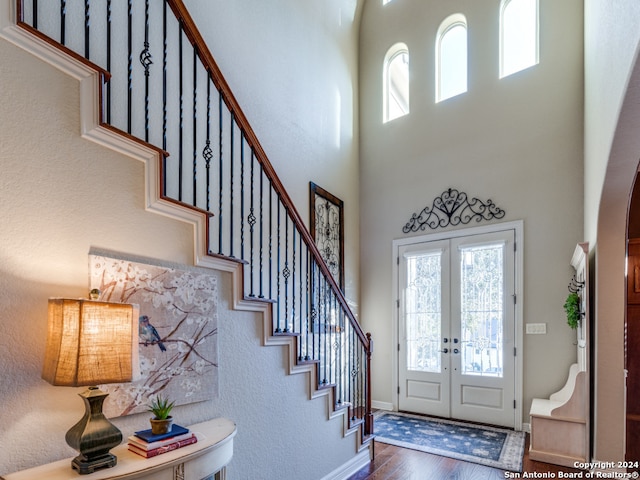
[91,343]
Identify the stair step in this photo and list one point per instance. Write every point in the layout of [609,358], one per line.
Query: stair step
[226,257]
[259,299]
[307,362]
[286,334]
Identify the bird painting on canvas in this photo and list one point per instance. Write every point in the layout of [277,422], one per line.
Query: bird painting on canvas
[149,334]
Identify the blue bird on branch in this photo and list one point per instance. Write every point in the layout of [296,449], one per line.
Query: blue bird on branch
[149,334]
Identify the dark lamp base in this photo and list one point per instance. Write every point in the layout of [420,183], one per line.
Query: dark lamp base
[93,436]
[85,466]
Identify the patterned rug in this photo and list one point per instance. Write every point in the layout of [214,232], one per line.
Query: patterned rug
[491,446]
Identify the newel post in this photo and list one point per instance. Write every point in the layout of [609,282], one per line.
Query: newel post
[368,419]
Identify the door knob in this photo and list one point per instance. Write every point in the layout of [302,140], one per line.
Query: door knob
[455,350]
[446,350]
[445,340]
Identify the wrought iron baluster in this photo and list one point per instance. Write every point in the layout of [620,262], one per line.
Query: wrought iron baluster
[181,109]
[307,310]
[301,313]
[145,60]
[293,283]
[108,85]
[270,242]
[278,327]
[34,7]
[286,273]
[328,340]
[252,221]
[299,284]
[164,96]
[242,140]
[339,334]
[63,19]
[350,371]
[129,63]
[231,181]
[315,309]
[220,173]
[261,241]
[320,324]
[195,129]
[333,373]
[87,23]
[207,153]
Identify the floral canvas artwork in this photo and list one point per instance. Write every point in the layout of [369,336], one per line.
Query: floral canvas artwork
[177,332]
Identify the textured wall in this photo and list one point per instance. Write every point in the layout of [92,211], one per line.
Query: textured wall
[61,195]
[516,140]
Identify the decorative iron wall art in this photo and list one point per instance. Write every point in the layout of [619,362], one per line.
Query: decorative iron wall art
[327,229]
[452,208]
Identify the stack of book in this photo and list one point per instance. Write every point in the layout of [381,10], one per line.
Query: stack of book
[148,445]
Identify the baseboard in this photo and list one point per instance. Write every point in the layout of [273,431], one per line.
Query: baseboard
[343,472]
[382,405]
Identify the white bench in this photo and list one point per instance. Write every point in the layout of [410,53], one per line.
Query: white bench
[559,425]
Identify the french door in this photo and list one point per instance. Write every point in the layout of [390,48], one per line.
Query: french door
[457,328]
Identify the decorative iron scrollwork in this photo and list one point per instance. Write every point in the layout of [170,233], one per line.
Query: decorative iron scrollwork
[327,229]
[145,58]
[453,208]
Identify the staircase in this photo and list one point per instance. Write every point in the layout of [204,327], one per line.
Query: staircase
[151,89]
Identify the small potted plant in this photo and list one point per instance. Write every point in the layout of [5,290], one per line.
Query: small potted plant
[162,421]
[572,309]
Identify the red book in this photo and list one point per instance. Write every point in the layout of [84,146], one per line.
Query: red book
[164,449]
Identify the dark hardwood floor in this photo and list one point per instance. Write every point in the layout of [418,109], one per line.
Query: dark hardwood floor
[396,463]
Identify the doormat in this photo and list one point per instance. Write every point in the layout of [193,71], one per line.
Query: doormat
[491,446]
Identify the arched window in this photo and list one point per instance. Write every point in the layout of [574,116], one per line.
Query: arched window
[396,82]
[451,57]
[518,35]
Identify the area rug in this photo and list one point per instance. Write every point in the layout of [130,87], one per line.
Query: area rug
[491,446]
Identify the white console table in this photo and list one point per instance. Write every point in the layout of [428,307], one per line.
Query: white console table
[203,460]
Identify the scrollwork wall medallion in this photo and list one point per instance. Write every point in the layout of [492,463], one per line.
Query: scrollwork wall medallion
[453,208]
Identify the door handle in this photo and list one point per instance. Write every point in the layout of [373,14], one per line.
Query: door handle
[446,350]
[445,340]
[455,350]
[455,340]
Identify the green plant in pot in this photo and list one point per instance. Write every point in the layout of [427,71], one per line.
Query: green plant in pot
[162,421]
[572,309]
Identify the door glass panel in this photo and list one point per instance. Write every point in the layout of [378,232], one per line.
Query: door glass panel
[482,309]
[423,311]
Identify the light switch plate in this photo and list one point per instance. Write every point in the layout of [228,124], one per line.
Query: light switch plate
[536,328]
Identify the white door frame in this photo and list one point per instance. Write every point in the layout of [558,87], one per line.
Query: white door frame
[518,227]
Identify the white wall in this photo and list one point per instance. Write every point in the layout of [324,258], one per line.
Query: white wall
[61,195]
[517,141]
[612,151]
[611,40]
